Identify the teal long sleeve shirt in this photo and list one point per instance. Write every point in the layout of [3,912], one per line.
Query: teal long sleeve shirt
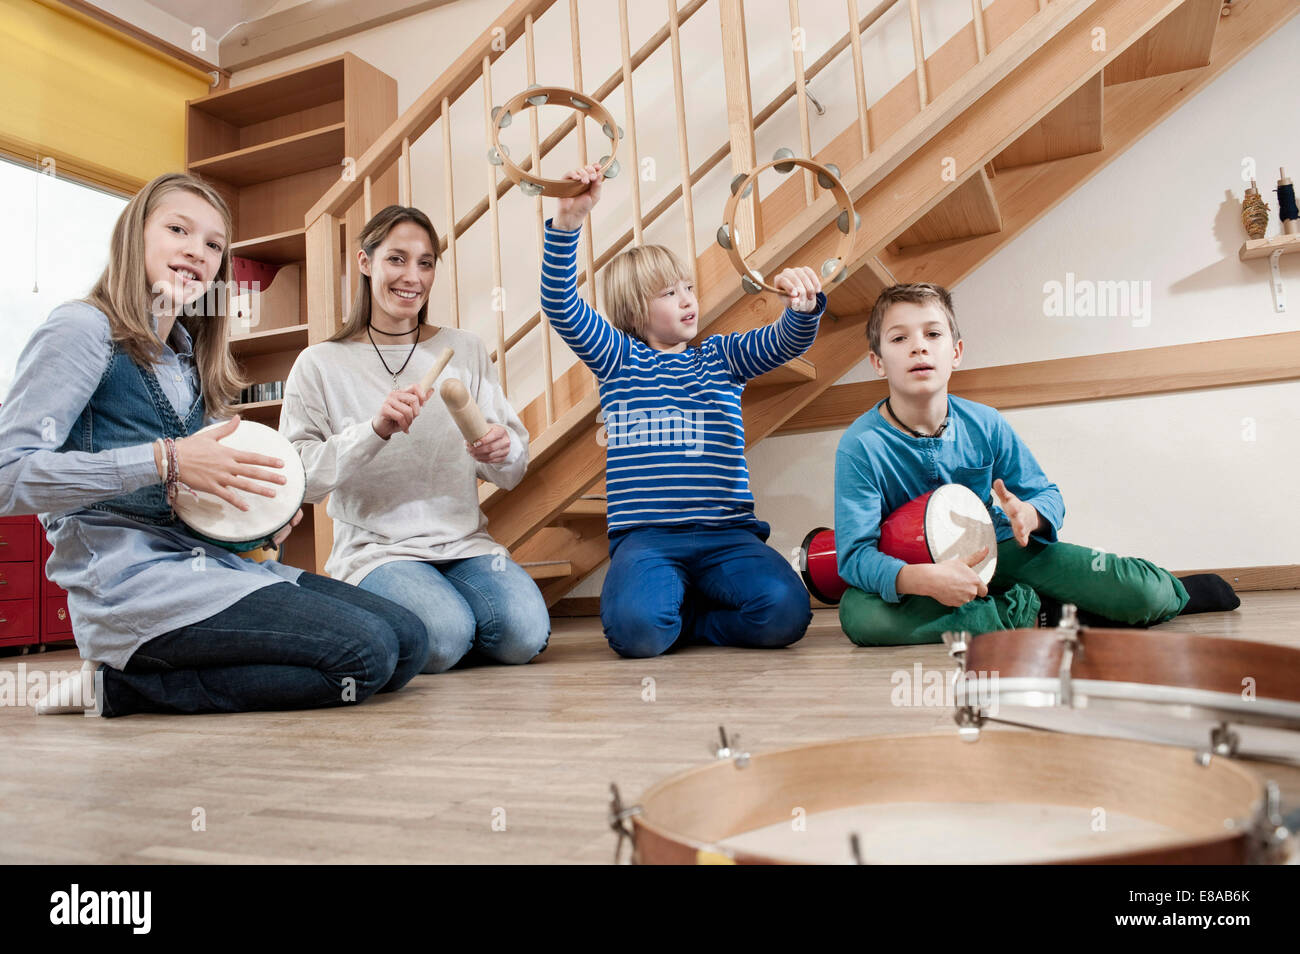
[878,468]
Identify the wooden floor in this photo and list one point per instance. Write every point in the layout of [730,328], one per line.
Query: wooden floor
[430,774]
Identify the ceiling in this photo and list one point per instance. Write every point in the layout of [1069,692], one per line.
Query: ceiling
[217,17]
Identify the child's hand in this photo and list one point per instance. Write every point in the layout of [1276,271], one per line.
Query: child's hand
[1024,516]
[572,210]
[802,285]
[954,582]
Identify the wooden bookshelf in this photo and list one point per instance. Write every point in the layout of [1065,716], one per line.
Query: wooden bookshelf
[275,339]
[272,148]
[282,248]
[276,159]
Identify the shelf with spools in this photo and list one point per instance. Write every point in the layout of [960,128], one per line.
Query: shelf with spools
[1254,215]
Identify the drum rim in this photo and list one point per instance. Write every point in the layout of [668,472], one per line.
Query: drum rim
[808,582]
[1031,692]
[1233,840]
[1000,650]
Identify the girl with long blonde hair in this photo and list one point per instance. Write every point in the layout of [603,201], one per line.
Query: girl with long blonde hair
[104,420]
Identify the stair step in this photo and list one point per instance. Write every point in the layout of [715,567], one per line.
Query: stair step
[970,209]
[1071,129]
[795,371]
[586,505]
[548,569]
[1181,41]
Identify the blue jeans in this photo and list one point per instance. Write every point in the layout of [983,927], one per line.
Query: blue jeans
[725,587]
[486,603]
[320,643]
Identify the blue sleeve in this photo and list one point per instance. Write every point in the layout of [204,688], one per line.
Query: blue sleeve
[858,508]
[751,353]
[58,371]
[1020,471]
[597,343]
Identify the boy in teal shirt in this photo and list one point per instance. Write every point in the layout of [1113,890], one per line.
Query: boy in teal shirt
[921,437]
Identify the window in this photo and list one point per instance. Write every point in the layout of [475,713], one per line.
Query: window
[54,245]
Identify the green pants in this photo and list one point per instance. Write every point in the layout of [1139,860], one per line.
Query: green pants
[1125,589]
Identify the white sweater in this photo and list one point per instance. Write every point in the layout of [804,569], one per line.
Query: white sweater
[413,496]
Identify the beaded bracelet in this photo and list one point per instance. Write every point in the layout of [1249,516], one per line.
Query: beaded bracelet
[173,468]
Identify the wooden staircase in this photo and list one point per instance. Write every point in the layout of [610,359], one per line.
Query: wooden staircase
[1017,94]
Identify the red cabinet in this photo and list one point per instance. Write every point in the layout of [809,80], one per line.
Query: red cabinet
[32,609]
[20,623]
[56,626]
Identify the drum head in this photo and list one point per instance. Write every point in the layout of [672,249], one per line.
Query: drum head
[1010,796]
[212,518]
[958,524]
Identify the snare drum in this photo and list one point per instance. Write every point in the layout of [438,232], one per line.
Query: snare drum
[1218,695]
[1010,796]
[949,521]
[212,520]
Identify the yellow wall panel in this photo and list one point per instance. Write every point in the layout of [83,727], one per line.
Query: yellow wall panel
[103,105]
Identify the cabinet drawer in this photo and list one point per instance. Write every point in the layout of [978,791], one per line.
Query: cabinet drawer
[17,580]
[57,619]
[17,618]
[17,543]
[18,640]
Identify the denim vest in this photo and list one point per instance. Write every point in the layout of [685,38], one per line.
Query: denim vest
[129,408]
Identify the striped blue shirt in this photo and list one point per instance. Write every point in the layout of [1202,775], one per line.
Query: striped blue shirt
[675,451]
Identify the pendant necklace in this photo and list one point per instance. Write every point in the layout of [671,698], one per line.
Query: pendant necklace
[414,345]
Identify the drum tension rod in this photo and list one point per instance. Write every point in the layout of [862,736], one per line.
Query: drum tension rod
[730,748]
[1272,836]
[618,820]
[969,718]
[855,848]
[1068,631]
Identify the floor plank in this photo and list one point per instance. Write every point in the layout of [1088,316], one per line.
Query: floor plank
[423,774]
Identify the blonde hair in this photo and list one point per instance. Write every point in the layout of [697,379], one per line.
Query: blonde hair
[372,236]
[122,293]
[917,293]
[632,278]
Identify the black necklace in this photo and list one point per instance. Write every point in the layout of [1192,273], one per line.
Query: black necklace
[414,345]
[942,427]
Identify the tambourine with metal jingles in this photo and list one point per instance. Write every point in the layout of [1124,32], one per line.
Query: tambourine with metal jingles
[1010,796]
[529,182]
[834,269]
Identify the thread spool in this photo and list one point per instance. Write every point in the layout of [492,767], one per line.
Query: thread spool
[1287,212]
[463,410]
[1254,213]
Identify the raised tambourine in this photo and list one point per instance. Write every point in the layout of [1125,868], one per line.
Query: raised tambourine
[529,183]
[828,177]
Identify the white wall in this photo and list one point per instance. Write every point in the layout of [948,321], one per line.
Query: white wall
[1168,477]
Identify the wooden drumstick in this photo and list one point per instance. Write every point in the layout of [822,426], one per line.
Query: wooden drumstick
[426,382]
[463,410]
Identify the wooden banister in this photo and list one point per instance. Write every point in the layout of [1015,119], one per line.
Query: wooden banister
[422,114]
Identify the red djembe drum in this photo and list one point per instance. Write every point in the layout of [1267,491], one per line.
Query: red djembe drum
[949,521]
